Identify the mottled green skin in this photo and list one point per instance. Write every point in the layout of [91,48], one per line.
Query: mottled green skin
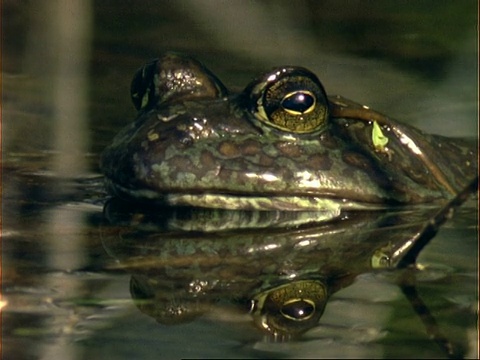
[193,143]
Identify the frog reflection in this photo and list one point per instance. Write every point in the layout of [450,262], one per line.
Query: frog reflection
[282,276]
[284,311]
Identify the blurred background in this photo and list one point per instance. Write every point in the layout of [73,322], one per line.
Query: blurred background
[413,60]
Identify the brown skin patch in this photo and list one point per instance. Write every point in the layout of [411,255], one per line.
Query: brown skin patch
[288,149]
[348,172]
[158,149]
[251,147]
[356,159]
[225,175]
[265,160]
[182,164]
[229,149]
[207,159]
[361,162]
[329,141]
[321,162]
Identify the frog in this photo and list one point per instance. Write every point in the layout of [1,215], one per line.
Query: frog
[281,144]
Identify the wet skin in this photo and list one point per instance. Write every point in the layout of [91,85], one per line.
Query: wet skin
[281,144]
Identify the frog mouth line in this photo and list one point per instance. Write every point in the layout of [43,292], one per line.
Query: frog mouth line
[330,205]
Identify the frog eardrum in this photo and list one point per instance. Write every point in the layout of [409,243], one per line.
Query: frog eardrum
[291,99]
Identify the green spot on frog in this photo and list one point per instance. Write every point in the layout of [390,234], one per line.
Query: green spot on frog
[378,138]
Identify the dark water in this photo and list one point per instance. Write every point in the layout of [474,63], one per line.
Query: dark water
[66,279]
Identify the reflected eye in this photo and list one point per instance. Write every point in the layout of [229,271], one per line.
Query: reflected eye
[290,308]
[299,102]
[290,99]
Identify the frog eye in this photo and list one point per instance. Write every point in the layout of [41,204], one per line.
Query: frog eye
[173,78]
[290,99]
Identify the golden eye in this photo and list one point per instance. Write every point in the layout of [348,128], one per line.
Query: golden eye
[290,308]
[290,99]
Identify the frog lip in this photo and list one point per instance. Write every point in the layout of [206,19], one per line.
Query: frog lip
[271,203]
[228,201]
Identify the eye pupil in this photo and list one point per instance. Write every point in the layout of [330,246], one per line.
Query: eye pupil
[298,102]
[298,310]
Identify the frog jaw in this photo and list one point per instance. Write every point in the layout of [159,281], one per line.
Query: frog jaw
[332,207]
